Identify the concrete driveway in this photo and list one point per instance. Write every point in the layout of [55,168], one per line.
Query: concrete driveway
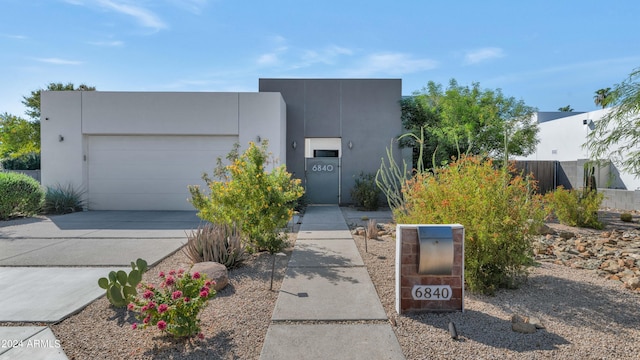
[94,238]
[49,266]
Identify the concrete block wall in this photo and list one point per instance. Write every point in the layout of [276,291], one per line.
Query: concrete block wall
[621,199]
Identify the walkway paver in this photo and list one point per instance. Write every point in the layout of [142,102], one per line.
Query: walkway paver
[31,342]
[326,281]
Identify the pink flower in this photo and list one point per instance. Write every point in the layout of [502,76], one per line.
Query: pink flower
[162,325]
[147,319]
[209,283]
[196,275]
[200,336]
[134,326]
[186,299]
[180,271]
[162,308]
[131,306]
[172,272]
[151,305]
[204,293]
[148,294]
[176,294]
[161,274]
[144,308]
[169,280]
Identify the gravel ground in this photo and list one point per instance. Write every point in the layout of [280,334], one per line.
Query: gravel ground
[586,317]
[234,323]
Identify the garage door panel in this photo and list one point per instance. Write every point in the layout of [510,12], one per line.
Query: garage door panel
[150,172]
[141,202]
[137,186]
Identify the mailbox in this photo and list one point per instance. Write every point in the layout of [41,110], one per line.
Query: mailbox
[435,254]
[429,267]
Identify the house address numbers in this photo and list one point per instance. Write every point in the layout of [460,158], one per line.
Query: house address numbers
[431,292]
[322,168]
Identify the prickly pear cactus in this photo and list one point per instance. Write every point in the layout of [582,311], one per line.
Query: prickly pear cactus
[121,286]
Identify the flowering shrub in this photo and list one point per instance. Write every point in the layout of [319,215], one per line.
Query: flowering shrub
[259,202]
[174,306]
[575,207]
[498,211]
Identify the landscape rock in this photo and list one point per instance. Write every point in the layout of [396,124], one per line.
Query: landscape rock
[614,253]
[633,283]
[525,324]
[524,328]
[214,271]
[536,322]
[566,235]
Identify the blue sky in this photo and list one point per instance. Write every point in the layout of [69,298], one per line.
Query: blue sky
[547,53]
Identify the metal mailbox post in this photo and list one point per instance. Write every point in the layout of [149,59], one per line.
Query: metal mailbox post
[429,268]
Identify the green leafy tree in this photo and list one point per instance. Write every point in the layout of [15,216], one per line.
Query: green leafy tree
[259,202]
[18,137]
[567,108]
[467,120]
[617,134]
[32,102]
[602,97]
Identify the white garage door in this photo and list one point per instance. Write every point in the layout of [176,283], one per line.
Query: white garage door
[149,172]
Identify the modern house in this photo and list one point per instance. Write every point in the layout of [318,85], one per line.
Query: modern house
[140,150]
[561,138]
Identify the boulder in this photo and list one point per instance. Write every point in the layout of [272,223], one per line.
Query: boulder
[214,271]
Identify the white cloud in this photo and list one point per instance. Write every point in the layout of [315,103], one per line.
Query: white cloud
[269,59]
[325,56]
[12,36]
[194,6]
[58,61]
[391,64]
[480,55]
[113,43]
[143,16]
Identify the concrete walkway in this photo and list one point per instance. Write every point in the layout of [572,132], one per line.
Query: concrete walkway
[328,307]
[49,267]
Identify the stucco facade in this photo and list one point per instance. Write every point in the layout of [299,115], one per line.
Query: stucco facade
[140,150]
[361,116]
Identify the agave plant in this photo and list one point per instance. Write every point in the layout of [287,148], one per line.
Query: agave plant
[220,243]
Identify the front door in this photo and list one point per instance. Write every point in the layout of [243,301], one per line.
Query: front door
[323,180]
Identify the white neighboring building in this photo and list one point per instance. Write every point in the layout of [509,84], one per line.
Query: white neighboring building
[561,140]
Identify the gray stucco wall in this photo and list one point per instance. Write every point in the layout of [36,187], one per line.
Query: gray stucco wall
[365,112]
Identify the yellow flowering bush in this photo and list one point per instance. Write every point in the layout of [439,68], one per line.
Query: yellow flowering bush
[260,203]
[498,210]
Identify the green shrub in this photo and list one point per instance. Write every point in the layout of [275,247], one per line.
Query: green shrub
[259,202]
[20,195]
[365,192]
[576,208]
[29,161]
[62,200]
[626,217]
[218,243]
[499,212]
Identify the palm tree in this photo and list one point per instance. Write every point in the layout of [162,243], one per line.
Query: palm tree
[567,108]
[602,97]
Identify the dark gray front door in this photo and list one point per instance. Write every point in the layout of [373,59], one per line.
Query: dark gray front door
[323,176]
